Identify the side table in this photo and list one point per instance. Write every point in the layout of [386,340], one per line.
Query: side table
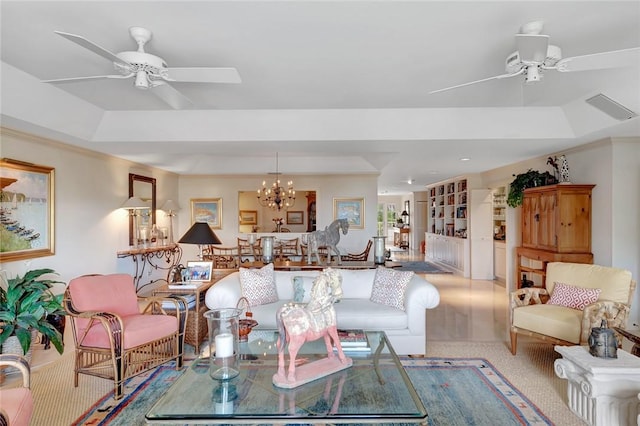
[601,391]
[197,329]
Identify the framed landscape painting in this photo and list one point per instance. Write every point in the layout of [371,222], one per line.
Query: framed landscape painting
[351,209]
[207,210]
[26,210]
[295,218]
[248,217]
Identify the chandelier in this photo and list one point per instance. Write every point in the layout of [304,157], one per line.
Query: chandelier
[277,197]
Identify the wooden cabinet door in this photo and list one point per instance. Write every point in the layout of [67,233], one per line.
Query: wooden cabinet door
[546,218]
[574,222]
[529,222]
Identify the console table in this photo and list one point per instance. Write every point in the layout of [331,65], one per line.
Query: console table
[161,257]
[600,391]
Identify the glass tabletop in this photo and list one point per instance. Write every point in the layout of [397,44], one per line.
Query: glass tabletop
[375,389]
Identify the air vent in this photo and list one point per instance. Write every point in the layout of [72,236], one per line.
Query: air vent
[611,107]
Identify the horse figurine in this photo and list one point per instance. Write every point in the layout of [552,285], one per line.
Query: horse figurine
[330,238]
[300,323]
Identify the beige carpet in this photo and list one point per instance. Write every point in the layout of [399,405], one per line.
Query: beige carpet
[58,403]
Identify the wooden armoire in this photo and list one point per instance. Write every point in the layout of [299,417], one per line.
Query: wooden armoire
[556,227]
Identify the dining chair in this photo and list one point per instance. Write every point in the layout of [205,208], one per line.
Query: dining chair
[222,257]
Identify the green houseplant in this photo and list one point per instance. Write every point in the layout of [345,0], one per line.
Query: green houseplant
[529,179]
[24,305]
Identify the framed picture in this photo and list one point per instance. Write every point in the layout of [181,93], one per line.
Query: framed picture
[199,271]
[207,210]
[295,218]
[248,217]
[26,210]
[351,209]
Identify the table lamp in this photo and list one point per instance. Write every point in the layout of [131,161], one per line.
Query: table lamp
[201,234]
[170,207]
[133,204]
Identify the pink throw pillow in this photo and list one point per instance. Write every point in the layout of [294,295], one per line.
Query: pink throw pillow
[572,296]
[259,285]
[389,287]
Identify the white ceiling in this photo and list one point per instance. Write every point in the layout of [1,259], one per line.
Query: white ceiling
[333,86]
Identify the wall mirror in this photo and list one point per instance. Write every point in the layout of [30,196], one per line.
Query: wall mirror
[144,188]
[253,217]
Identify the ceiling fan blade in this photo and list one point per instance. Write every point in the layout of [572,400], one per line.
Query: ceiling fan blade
[613,59]
[94,48]
[171,96]
[497,77]
[93,77]
[532,47]
[204,75]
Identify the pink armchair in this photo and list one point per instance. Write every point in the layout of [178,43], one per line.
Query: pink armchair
[116,340]
[16,404]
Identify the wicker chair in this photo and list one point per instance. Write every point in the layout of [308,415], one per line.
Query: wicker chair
[363,256]
[287,248]
[17,402]
[562,325]
[248,252]
[222,257]
[114,339]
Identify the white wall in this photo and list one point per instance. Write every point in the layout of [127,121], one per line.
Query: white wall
[90,228]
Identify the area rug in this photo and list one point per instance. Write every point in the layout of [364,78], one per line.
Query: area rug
[455,391]
[423,268]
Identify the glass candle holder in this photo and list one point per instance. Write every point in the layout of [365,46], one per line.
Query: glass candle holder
[378,250]
[223,397]
[223,343]
[267,249]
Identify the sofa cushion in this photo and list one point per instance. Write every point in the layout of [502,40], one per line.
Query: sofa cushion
[302,288]
[389,287]
[368,315]
[357,283]
[572,296]
[259,285]
[551,320]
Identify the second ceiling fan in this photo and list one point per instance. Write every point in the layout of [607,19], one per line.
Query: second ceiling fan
[534,56]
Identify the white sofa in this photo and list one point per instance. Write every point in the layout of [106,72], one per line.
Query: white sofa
[405,329]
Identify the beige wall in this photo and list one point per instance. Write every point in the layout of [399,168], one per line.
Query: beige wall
[90,228]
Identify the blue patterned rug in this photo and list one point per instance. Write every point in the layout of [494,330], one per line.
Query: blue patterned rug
[455,391]
[422,268]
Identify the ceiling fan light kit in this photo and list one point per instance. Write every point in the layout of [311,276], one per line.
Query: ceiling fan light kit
[150,71]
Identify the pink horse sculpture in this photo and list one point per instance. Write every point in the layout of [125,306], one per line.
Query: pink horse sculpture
[301,323]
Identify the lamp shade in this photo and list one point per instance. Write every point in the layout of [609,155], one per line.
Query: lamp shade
[135,203]
[404,213]
[200,233]
[170,206]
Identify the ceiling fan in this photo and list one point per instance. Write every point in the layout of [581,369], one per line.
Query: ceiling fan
[535,55]
[150,71]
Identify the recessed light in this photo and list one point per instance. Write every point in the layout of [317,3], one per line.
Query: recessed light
[410,181]
[465,159]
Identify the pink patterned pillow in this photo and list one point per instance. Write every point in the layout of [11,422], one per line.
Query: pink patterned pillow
[389,287]
[259,285]
[572,296]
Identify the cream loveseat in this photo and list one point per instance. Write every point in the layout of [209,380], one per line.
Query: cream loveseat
[580,296]
[404,328]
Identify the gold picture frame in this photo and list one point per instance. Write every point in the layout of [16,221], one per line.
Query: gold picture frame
[208,210]
[248,217]
[27,204]
[351,209]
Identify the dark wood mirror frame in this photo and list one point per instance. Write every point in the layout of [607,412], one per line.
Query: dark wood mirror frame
[133,178]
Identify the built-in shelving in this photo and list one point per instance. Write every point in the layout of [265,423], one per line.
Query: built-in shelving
[499,213]
[448,209]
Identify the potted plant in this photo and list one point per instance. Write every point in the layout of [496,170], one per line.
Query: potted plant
[529,179]
[25,304]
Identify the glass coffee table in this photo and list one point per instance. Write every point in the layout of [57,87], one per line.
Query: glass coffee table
[375,389]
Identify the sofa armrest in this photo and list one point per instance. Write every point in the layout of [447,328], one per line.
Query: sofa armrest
[224,294]
[615,313]
[419,296]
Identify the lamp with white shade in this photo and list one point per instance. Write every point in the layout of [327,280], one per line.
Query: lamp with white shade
[171,208]
[134,204]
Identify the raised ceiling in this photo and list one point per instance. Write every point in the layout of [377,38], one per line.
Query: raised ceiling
[333,86]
